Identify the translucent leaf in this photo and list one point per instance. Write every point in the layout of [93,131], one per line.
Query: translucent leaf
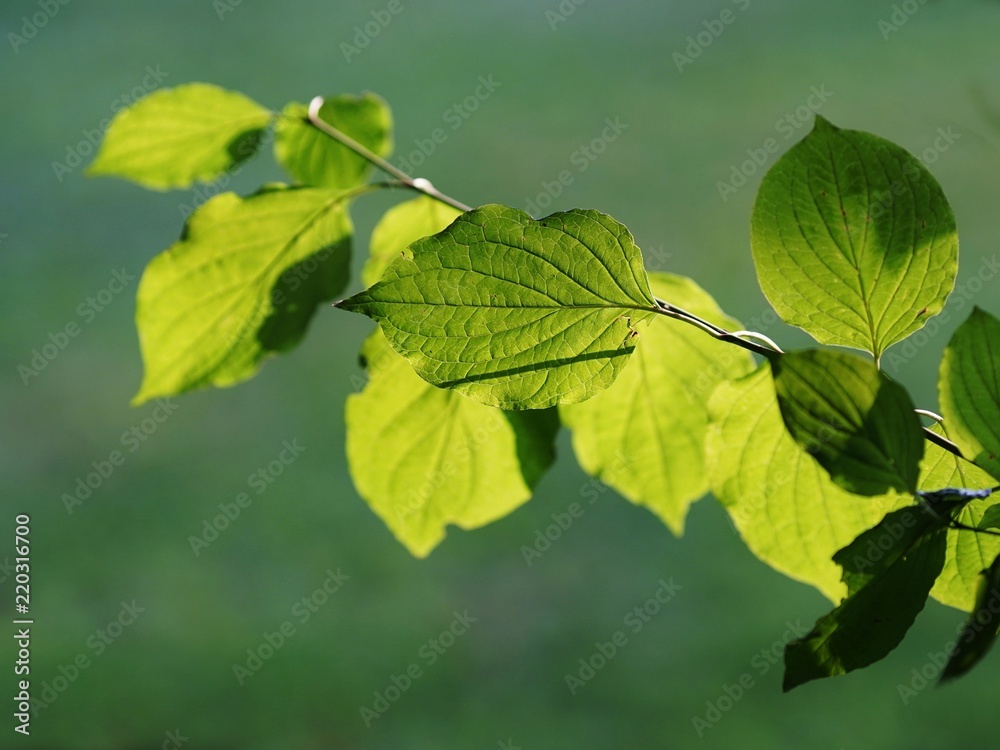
[175,137]
[241,284]
[424,457]
[645,434]
[969,389]
[860,426]
[889,570]
[313,158]
[853,239]
[967,553]
[785,506]
[400,227]
[515,312]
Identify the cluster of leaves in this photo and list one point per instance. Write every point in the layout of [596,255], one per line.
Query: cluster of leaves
[496,327]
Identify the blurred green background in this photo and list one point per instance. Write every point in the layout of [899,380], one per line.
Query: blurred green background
[501,684]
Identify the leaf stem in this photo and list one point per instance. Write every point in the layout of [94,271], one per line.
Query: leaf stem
[941,441]
[419,184]
[672,311]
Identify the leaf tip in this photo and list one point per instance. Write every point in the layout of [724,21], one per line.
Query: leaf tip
[140,398]
[821,124]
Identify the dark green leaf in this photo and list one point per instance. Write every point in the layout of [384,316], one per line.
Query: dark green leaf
[858,425]
[889,571]
[982,627]
[990,518]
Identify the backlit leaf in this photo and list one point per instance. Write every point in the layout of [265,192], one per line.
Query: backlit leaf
[424,457]
[314,158]
[853,239]
[401,226]
[784,505]
[645,434]
[969,390]
[967,553]
[240,285]
[516,312]
[175,137]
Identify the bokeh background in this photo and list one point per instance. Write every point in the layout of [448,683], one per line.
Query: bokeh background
[563,68]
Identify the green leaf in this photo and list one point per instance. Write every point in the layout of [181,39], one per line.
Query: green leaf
[401,226]
[990,518]
[969,389]
[645,434]
[241,284]
[424,457]
[967,553]
[853,239]
[312,157]
[784,505]
[857,424]
[515,312]
[889,570]
[175,137]
[982,627]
